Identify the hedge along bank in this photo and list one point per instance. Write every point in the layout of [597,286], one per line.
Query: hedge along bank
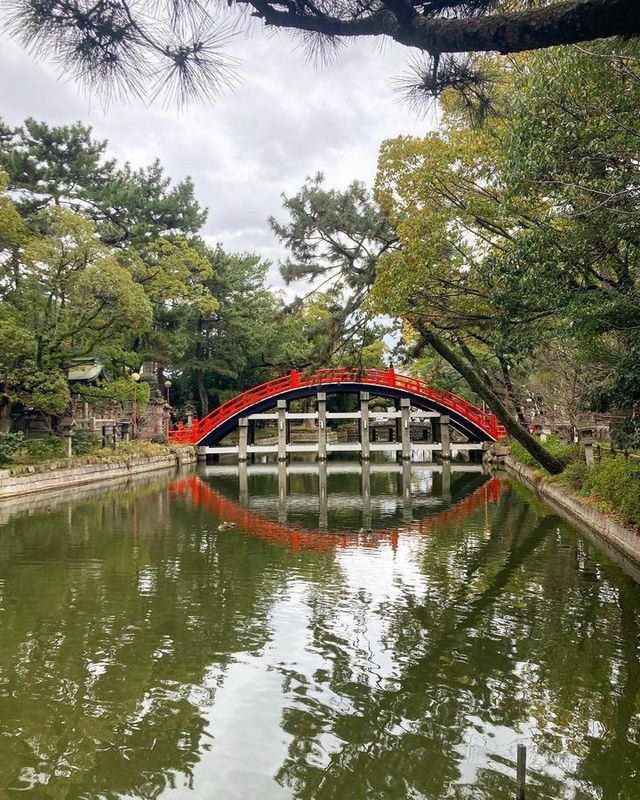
[611,484]
[607,525]
[23,480]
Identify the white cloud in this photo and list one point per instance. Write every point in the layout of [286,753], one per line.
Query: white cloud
[287,119]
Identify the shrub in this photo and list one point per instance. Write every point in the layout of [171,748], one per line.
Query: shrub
[10,444]
[85,442]
[137,448]
[565,451]
[575,475]
[616,482]
[45,448]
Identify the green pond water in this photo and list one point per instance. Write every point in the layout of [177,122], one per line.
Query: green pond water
[380,634]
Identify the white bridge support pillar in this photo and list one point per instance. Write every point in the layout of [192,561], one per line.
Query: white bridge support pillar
[443,425]
[364,426]
[405,428]
[322,426]
[243,438]
[283,430]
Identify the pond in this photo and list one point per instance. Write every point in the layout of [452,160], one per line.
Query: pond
[344,632]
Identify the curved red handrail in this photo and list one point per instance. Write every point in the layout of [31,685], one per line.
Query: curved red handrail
[254,524]
[373,377]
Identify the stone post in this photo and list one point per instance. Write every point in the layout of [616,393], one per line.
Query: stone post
[405,425]
[443,425]
[109,435]
[282,430]
[585,435]
[364,426]
[243,438]
[125,430]
[68,426]
[322,426]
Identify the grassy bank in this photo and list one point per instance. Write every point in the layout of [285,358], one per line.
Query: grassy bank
[16,452]
[611,484]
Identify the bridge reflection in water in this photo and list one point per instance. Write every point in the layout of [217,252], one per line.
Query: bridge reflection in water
[328,512]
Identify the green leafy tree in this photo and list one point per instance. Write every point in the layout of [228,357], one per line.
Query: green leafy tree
[521,235]
[138,232]
[64,294]
[60,165]
[572,139]
[453,215]
[224,344]
[335,239]
[66,166]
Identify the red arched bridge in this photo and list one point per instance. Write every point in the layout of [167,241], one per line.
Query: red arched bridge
[473,423]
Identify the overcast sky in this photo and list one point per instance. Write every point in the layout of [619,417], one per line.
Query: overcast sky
[286,120]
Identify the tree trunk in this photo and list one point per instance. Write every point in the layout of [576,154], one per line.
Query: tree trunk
[520,434]
[5,417]
[202,392]
[475,363]
[510,393]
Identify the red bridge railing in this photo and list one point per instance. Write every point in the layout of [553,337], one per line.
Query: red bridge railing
[372,377]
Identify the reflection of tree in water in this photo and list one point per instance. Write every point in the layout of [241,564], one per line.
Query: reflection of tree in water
[518,630]
[119,619]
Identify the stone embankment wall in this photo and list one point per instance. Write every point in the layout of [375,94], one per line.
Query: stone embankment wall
[603,527]
[20,481]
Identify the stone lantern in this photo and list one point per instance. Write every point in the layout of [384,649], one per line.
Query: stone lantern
[190,411]
[67,429]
